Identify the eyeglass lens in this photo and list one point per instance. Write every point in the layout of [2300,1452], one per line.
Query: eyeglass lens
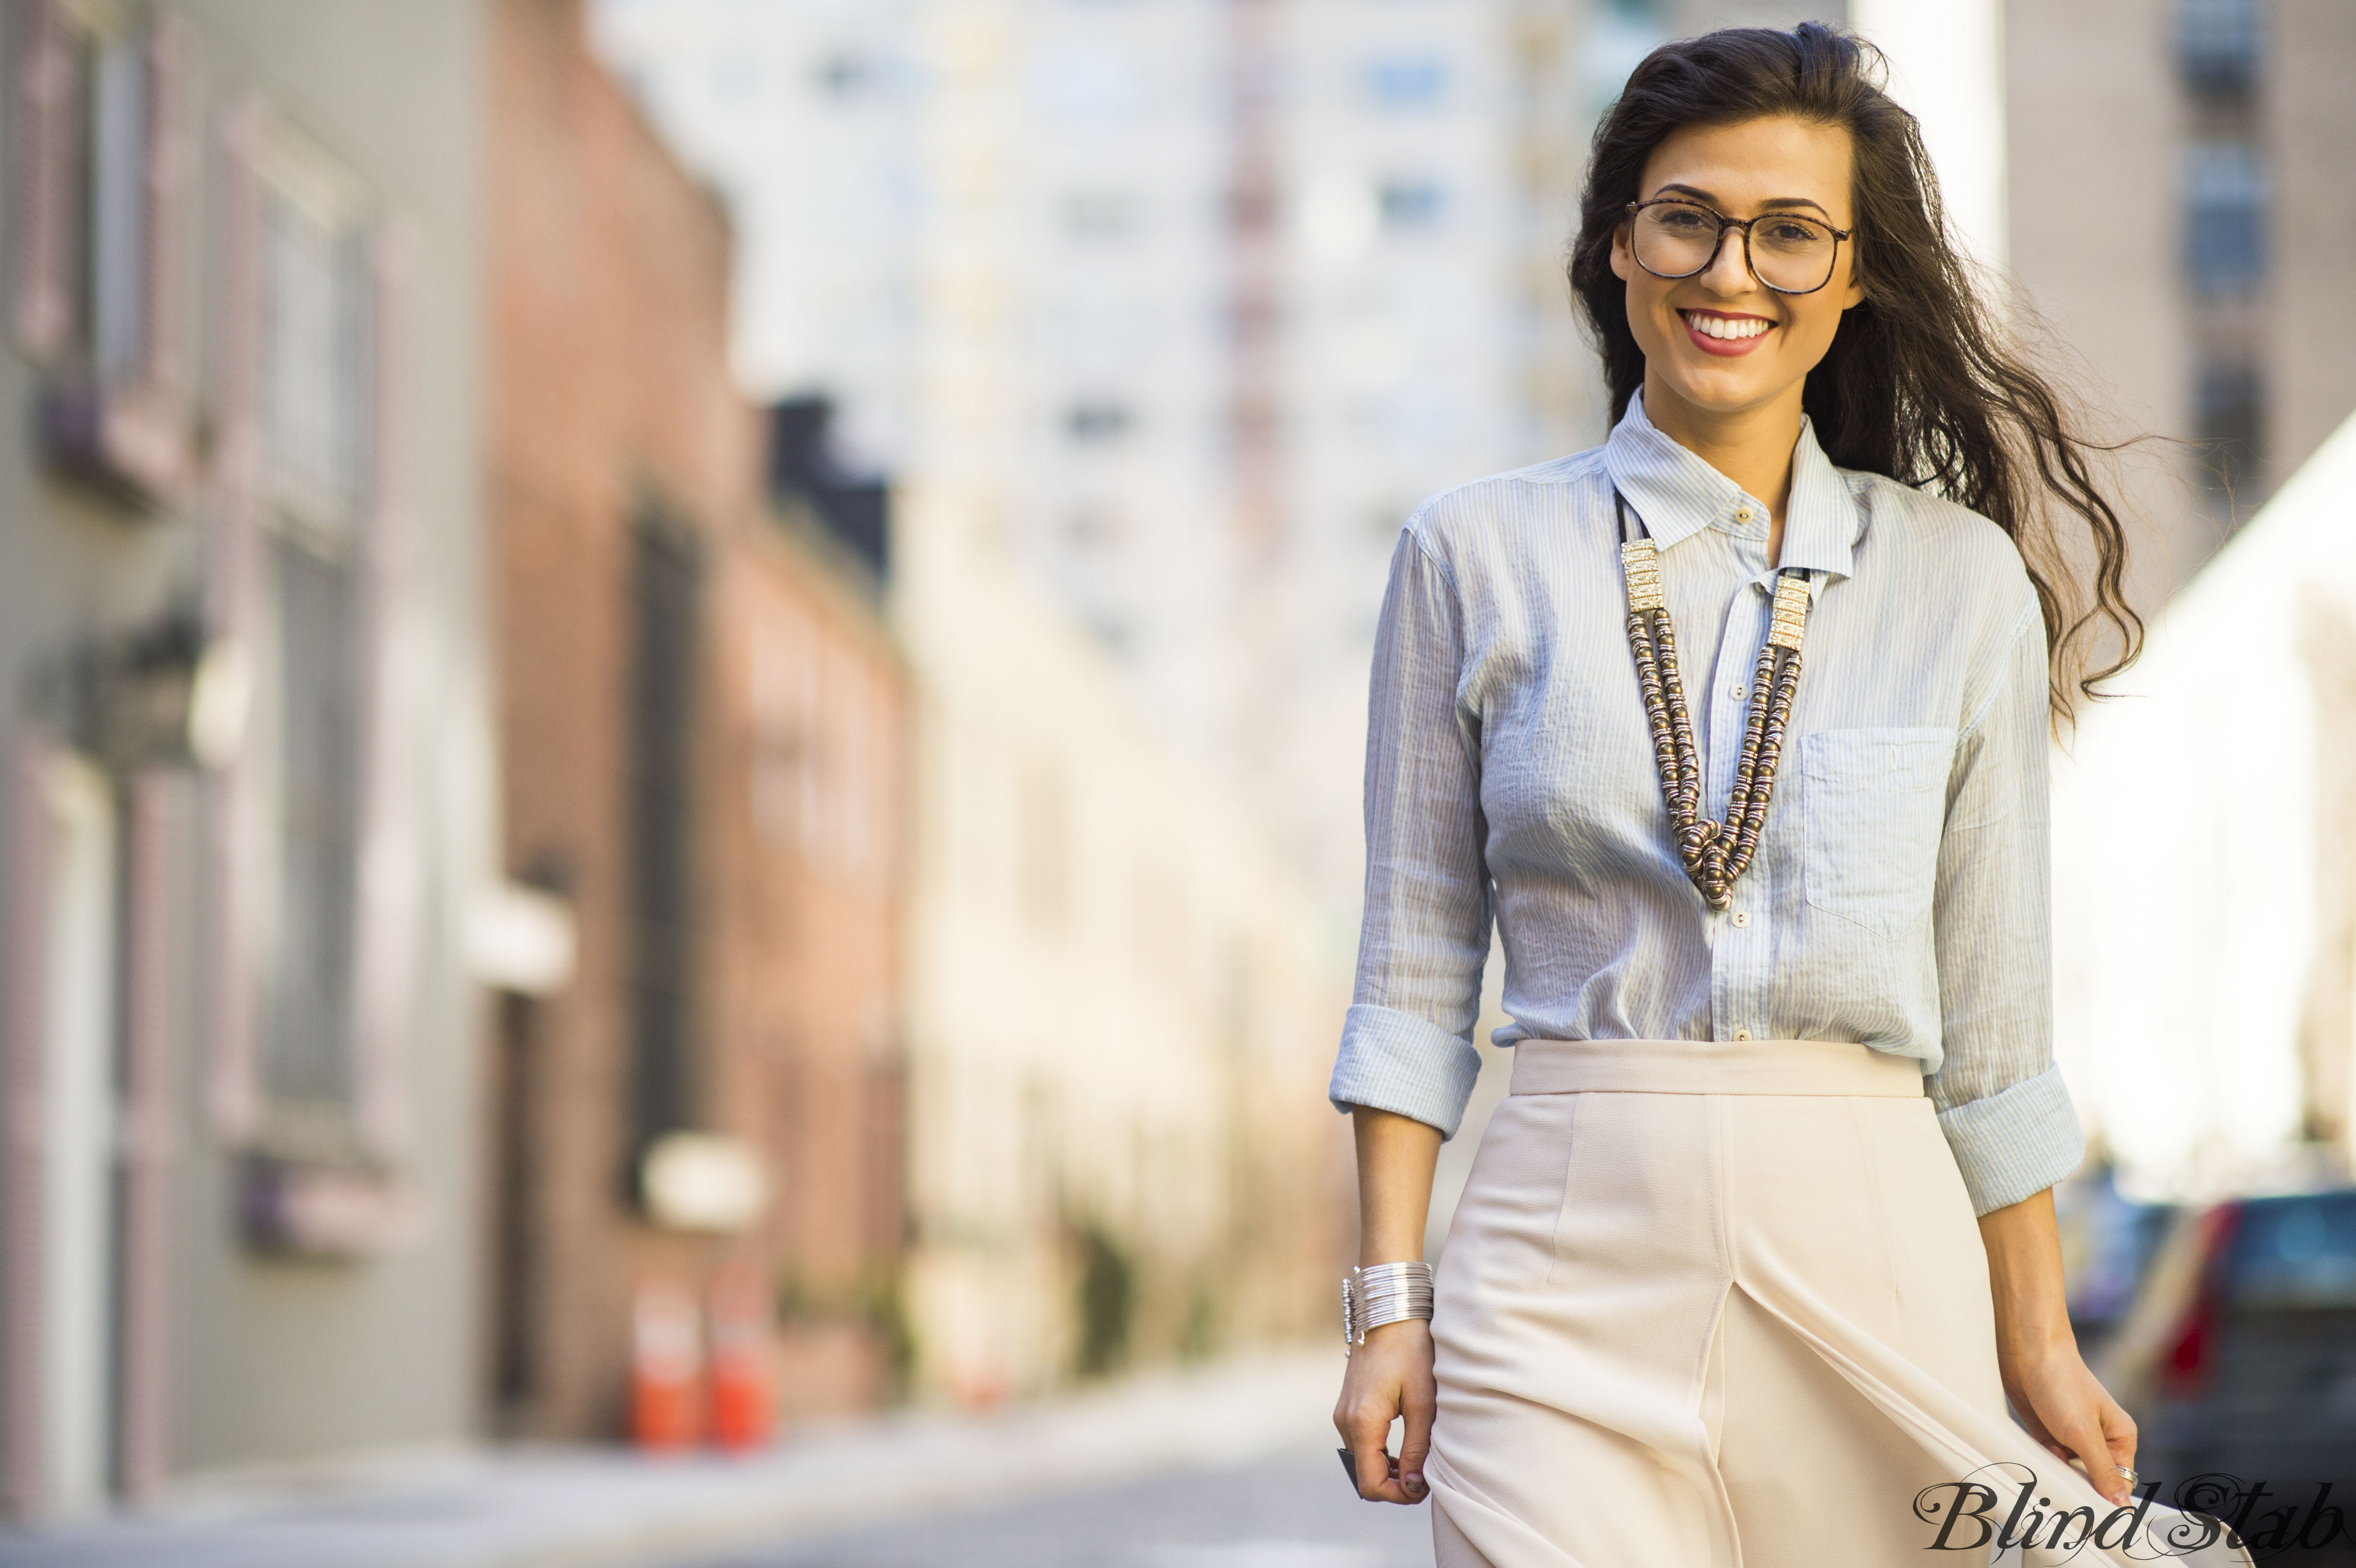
[1788,251]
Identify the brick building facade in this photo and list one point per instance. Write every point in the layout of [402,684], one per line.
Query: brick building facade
[700,723]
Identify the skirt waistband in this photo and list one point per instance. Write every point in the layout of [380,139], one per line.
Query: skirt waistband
[1712,1067]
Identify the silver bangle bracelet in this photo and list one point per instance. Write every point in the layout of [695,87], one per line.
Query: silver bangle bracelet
[1377,1293]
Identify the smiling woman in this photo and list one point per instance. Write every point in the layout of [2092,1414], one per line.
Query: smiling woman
[1757,1262]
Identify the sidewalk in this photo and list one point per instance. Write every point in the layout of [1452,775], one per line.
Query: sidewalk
[548,1506]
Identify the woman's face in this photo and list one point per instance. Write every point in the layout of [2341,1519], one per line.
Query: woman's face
[1774,165]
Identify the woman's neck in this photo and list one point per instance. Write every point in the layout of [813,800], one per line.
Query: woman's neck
[1752,447]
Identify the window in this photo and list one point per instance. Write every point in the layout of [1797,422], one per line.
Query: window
[2224,220]
[2228,405]
[99,170]
[315,299]
[315,364]
[1404,82]
[1097,421]
[309,1058]
[666,594]
[1409,206]
[845,75]
[2219,45]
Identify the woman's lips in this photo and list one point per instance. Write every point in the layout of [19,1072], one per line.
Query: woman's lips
[1724,348]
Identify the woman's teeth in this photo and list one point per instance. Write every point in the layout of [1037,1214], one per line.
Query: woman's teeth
[1727,327]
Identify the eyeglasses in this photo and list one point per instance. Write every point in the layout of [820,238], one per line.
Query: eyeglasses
[1787,253]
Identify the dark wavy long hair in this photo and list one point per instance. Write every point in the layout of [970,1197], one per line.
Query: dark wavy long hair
[1921,382]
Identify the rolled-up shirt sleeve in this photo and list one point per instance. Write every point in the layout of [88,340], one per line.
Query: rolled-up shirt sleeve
[2000,1099]
[1407,1040]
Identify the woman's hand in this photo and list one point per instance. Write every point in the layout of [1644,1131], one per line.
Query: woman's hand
[2063,1407]
[1388,1376]
[2056,1398]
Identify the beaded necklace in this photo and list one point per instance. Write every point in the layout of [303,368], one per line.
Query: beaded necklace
[1715,853]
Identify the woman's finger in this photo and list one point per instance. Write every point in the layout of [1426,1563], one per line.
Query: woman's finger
[1366,1428]
[2082,1433]
[1417,1407]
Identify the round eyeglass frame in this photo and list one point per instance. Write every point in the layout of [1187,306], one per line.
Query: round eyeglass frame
[1719,243]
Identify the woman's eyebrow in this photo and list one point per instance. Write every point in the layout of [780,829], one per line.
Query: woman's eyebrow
[1771,204]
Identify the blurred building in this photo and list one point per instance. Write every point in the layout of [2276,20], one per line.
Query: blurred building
[1119,1013]
[245,714]
[1119,997]
[2180,213]
[1256,277]
[703,752]
[2205,962]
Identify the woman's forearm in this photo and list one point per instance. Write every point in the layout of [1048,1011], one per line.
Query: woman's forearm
[1396,1157]
[2045,1379]
[2024,1255]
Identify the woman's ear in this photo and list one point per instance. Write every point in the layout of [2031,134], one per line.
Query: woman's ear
[1621,259]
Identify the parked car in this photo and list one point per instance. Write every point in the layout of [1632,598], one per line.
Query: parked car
[2253,1373]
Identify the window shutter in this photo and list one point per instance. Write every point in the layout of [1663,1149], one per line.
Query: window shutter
[167,177]
[22,1480]
[390,852]
[41,127]
[233,590]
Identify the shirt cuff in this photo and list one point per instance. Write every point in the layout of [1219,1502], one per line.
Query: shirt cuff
[2016,1143]
[1392,1060]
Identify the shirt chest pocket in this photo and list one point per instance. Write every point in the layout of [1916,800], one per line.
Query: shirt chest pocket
[1874,802]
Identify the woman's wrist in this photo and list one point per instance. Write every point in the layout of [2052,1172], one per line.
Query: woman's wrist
[2037,1341]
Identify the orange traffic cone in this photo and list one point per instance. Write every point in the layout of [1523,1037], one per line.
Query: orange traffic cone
[742,1373]
[666,1368]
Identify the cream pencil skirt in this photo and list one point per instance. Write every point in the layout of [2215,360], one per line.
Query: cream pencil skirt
[1724,1305]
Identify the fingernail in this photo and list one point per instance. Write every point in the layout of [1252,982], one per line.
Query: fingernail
[1414,1482]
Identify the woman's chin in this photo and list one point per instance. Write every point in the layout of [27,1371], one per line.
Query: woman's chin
[1716,389]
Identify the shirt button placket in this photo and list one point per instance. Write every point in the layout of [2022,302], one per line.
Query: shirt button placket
[1737,977]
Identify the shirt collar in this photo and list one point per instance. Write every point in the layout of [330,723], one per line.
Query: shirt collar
[1679,495]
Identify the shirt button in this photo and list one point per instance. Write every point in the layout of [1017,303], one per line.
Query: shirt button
[1743,513]
[1734,694]
[1742,917]
[1742,1034]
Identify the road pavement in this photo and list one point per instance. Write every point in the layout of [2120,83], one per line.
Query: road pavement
[1255,1432]
[1286,1510]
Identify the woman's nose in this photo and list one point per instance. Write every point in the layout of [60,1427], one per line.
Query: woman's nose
[1728,271]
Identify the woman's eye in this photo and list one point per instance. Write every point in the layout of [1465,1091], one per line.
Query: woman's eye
[1793,234]
[1681,220]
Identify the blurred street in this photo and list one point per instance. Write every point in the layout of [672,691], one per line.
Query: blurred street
[1228,1463]
[1281,1511]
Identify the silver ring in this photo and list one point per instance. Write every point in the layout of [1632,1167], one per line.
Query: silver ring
[2126,1474]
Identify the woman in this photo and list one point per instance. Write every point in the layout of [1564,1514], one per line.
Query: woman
[1737,725]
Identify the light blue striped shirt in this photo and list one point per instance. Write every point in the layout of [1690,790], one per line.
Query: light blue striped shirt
[1899,896]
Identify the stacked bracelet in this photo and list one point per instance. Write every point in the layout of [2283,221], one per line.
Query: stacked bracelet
[1382,1293]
